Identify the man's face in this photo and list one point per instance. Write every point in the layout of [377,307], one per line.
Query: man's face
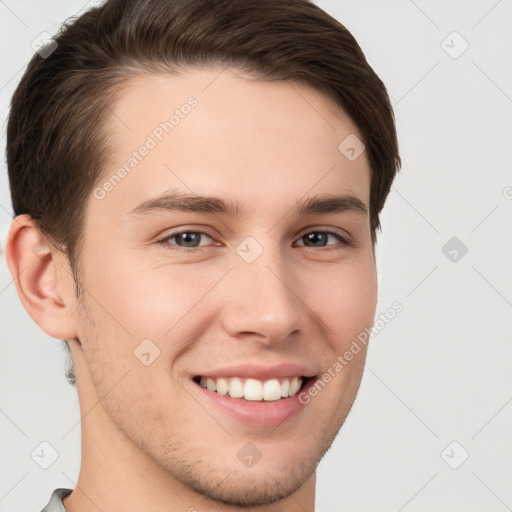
[262,294]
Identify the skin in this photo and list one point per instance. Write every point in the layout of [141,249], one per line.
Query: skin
[149,442]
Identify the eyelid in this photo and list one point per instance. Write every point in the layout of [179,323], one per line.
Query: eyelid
[345,235]
[343,241]
[164,239]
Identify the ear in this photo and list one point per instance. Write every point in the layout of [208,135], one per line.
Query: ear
[43,279]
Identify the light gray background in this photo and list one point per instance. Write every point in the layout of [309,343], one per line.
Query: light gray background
[441,370]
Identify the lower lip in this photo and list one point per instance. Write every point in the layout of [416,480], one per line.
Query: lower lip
[257,413]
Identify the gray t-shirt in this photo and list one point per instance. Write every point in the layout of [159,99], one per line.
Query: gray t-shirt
[55,504]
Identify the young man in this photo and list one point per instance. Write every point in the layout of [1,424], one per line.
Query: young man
[197,187]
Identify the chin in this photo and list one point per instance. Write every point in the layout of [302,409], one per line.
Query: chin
[245,489]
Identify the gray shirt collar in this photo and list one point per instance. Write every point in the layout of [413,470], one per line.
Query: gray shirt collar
[55,504]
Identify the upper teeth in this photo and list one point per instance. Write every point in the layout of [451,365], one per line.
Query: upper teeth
[253,389]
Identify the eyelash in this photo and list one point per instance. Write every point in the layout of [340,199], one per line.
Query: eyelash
[345,241]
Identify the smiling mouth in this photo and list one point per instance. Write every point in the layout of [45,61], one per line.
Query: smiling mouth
[253,389]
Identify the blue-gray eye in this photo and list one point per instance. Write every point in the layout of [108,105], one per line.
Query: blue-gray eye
[188,239]
[319,238]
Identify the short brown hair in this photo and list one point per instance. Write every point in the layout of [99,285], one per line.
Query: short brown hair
[56,140]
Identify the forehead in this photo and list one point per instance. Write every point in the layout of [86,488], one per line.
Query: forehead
[217,132]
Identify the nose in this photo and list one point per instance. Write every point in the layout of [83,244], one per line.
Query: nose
[260,300]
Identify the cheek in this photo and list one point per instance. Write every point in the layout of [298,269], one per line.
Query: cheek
[345,300]
[148,300]
[172,299]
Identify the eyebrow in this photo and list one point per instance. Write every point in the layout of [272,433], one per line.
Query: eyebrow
[173,200]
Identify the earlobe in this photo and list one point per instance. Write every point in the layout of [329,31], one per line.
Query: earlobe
[44,287]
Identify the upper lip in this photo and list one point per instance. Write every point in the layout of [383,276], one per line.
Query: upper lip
[257,371]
